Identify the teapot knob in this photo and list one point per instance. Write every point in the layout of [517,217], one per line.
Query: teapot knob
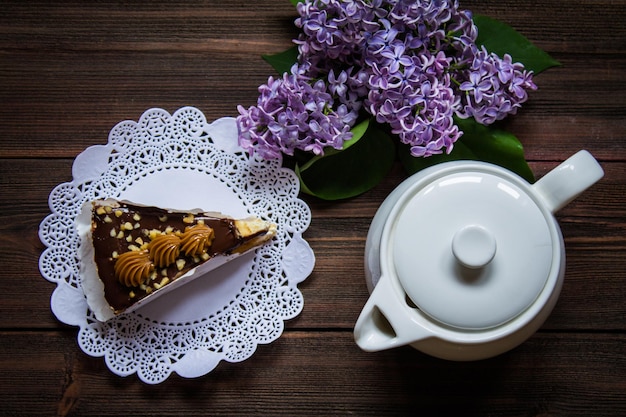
[474,246]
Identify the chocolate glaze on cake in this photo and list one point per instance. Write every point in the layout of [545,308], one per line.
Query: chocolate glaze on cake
[120,227]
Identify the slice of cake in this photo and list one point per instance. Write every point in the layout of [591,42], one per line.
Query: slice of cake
[131,254]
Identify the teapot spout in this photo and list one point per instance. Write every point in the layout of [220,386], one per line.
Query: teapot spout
[373,332]
[386,321]
[565,182]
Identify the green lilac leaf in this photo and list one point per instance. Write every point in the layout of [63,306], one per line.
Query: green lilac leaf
[351,171]
[478,143]
[282,61]
[500,38]
[357,133]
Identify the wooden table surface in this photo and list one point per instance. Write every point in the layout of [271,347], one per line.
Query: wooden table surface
[70,70]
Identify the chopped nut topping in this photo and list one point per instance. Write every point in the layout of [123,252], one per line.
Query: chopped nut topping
[113,233]
[188,218]
[180,264]
[107,219]
[136,217]
[118,213]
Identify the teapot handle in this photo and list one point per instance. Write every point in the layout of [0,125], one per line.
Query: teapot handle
[565,182]
[386,321]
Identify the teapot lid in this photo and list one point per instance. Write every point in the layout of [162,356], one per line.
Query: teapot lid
[472,248]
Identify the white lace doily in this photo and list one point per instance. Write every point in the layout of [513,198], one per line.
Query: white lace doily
[181,161]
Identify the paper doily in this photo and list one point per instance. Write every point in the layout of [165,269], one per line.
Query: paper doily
[181,161]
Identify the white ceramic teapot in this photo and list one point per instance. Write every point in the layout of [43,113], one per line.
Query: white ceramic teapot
[465,260]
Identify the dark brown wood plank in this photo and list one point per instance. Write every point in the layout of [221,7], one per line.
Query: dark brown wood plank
[573,28]
[111,61]
[312,374]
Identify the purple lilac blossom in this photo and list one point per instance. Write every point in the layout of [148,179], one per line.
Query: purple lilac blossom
[412,65]
[494,88]
[294,112]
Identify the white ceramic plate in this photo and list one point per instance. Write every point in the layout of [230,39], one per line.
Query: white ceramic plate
[180,161]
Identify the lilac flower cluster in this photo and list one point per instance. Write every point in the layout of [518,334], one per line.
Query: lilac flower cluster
[410,64]
[494,87]
[297,112]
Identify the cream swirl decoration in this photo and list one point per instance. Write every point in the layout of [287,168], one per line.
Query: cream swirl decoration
[164,249]
[197,239]
[133,268]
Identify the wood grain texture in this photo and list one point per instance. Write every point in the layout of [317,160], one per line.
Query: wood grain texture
[310,373]
[71,70]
